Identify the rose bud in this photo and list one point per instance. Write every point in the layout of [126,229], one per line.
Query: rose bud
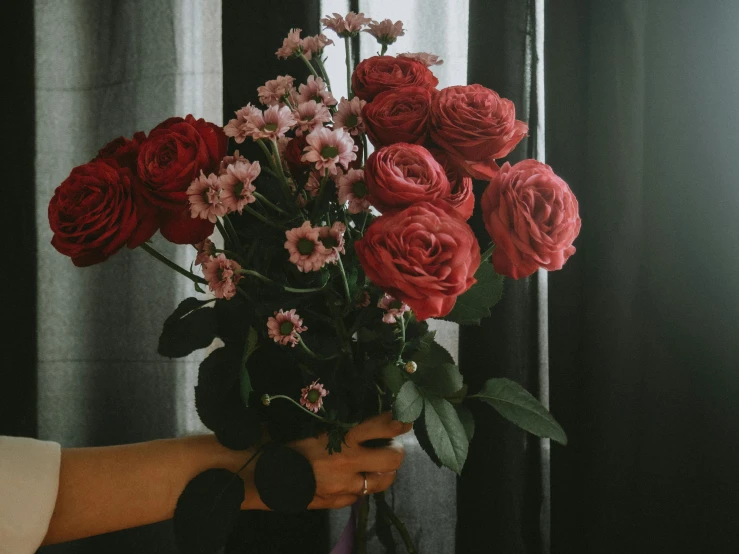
[425,256]
[380,73]
[401,174]
[532,216]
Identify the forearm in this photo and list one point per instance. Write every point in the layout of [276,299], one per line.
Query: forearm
[116,487]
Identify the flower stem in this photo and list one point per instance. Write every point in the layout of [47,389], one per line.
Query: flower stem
[324,74]
[227,238]
[364,223]
[402,337]
[270,158]
[385,509]
[360,539]
[263,219]
[313,354]
[485,256]
[310,65]
[346,283]
[232,255]
[283,397]
[319,200]
[384,49]
[270,281]
[166,261]
[281,171]
[230,228]
[266,202]
[347,47]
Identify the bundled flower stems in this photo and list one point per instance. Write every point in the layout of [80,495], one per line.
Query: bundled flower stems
[332,259]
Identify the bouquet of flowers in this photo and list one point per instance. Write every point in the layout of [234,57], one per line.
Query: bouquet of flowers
[331,259]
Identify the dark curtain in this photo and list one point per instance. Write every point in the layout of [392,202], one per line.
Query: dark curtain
[502,504]
[642,122]
[252,32]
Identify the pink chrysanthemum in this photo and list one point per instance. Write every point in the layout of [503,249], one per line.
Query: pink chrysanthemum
[273,92]
[393,307]
[424,57]
[312,396]
[313,186]
[230,160]
[351,24]
[272,124]
[333,240]
[349,115]
[310,116]
[291,45]
[285,326]
[363,300]
[386,32]
[352,189]
[327,148]
[239,128]
[222,275]
[206,249]
[315,89]
[238,188]
[305,247]
[205,196]
[313,46]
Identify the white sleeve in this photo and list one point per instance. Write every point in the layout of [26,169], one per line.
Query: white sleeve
[29,483]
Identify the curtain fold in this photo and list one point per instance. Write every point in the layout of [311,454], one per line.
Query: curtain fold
[105,69]
[502,501]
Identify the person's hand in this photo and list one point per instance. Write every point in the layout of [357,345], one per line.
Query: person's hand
[340,476]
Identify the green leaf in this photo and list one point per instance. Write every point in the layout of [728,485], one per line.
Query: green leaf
[252,343]
[393,377]
[189,328]
[443,379]
[515,404]
[422,436]
[475,304]
[467,419]
[446,433]
[408,403]
[207,511]
[432,353]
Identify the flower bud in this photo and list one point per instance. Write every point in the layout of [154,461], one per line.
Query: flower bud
[410,367]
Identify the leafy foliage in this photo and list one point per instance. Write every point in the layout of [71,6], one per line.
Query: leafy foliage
[190,327]
[475,304]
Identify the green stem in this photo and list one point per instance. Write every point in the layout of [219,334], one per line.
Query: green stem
[364,149]
[233,255]
[340,264]
[319,201]
[384,49]
[227,238]
[266,202]
[402,338]
[270,281]
[310,65]
[385,508]
[230,228]
[263,219]
[267,153]
[166,261]
[313,414]
[313,354]
[324,74]
[347,48]
[360,539]
[364,222]
[486,255]
[281,171]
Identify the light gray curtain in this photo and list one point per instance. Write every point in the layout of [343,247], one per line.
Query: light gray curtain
[104,69]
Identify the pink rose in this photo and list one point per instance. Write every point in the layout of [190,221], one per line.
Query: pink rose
[425,256]
[398,115]
[401,174]
[532,216]
[475,123]
[380,73]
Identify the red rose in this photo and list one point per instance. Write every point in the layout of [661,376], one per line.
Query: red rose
[402,174]
[398,115]
[293,154]
[93,212]
[124,151]
[380,73]
[425,256]
[532,216]
[179,227]
[175,153]
[462,197]
[475,123]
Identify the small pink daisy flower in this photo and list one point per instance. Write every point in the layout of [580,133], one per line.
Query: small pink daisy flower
[310,115]
[291,45]
[237,185]
[346,26]
[352,189]
[230,160]
[206,249]
[349,115]
[386,32]
[272,124]
[239,128]
[313,186]
[285,326]
[312,396]
[313,46]
[204,194]
[393,307]
[424,57]
[332,239]
[273,92]
[327,148]
[222,275]
[305,247]
[363,300]
[315,89]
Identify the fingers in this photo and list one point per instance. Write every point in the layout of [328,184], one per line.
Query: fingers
[382,426]
[376,482]
[380,460]
[333,502]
